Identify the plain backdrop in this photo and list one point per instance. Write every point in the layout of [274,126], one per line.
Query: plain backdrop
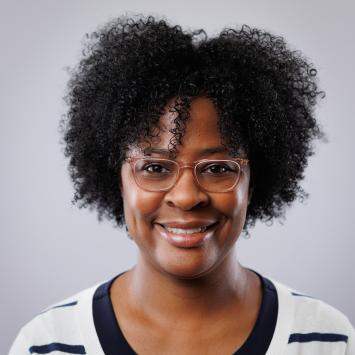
[50,249]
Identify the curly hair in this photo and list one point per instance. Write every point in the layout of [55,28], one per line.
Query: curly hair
[131,68]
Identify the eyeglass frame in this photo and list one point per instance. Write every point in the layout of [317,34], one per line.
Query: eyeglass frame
[133,161]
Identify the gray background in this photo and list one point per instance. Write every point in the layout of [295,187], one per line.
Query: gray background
[50,249]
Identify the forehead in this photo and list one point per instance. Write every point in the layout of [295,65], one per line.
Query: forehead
[203,119]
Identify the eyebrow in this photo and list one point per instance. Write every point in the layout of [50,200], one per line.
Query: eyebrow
[202,152]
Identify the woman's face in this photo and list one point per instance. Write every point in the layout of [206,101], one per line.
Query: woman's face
[186,205]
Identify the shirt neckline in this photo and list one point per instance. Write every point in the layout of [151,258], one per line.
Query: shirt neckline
[112,339]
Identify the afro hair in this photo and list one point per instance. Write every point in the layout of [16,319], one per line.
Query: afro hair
[131,68]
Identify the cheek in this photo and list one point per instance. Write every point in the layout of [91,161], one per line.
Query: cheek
[233,206]
[139,206]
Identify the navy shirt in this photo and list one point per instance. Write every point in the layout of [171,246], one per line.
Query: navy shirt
[112,339]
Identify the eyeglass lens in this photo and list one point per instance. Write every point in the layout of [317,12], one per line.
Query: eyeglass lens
[212,175]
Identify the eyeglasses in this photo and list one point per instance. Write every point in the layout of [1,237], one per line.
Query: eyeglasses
[156,174]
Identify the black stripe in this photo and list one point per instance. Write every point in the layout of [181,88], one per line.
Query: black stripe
[65,348]
[324,337]
[74,303]
[66,304]
[300,295]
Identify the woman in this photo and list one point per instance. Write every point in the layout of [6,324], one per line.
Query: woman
[187,141]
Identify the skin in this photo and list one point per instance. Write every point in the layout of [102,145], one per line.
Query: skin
[186,300]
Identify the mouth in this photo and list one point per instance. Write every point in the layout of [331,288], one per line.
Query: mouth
[186,237]
[188,230]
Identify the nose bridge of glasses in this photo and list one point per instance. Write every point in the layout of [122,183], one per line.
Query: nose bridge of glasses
[183,166]
[186,166]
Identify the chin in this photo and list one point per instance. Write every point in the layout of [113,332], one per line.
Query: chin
[187,265]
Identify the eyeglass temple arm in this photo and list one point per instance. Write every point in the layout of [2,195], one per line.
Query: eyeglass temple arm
[242,161]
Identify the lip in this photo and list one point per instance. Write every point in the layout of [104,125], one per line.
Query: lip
[192,240]
[189,224]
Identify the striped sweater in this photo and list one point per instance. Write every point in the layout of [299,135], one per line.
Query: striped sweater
[304,326]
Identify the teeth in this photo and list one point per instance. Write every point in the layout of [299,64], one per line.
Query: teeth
[185,231]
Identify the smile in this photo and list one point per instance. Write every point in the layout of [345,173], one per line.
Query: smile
[186,237]
[186,231]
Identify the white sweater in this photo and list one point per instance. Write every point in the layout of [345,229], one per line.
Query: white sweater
[305,326]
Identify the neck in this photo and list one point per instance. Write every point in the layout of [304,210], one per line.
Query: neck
[155,292]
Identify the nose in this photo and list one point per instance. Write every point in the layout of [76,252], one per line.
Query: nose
[186,194]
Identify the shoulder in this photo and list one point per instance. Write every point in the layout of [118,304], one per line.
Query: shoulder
[57,327]
[312,323]
[311,310]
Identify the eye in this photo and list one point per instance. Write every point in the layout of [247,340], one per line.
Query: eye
[218,168]
[155,168]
